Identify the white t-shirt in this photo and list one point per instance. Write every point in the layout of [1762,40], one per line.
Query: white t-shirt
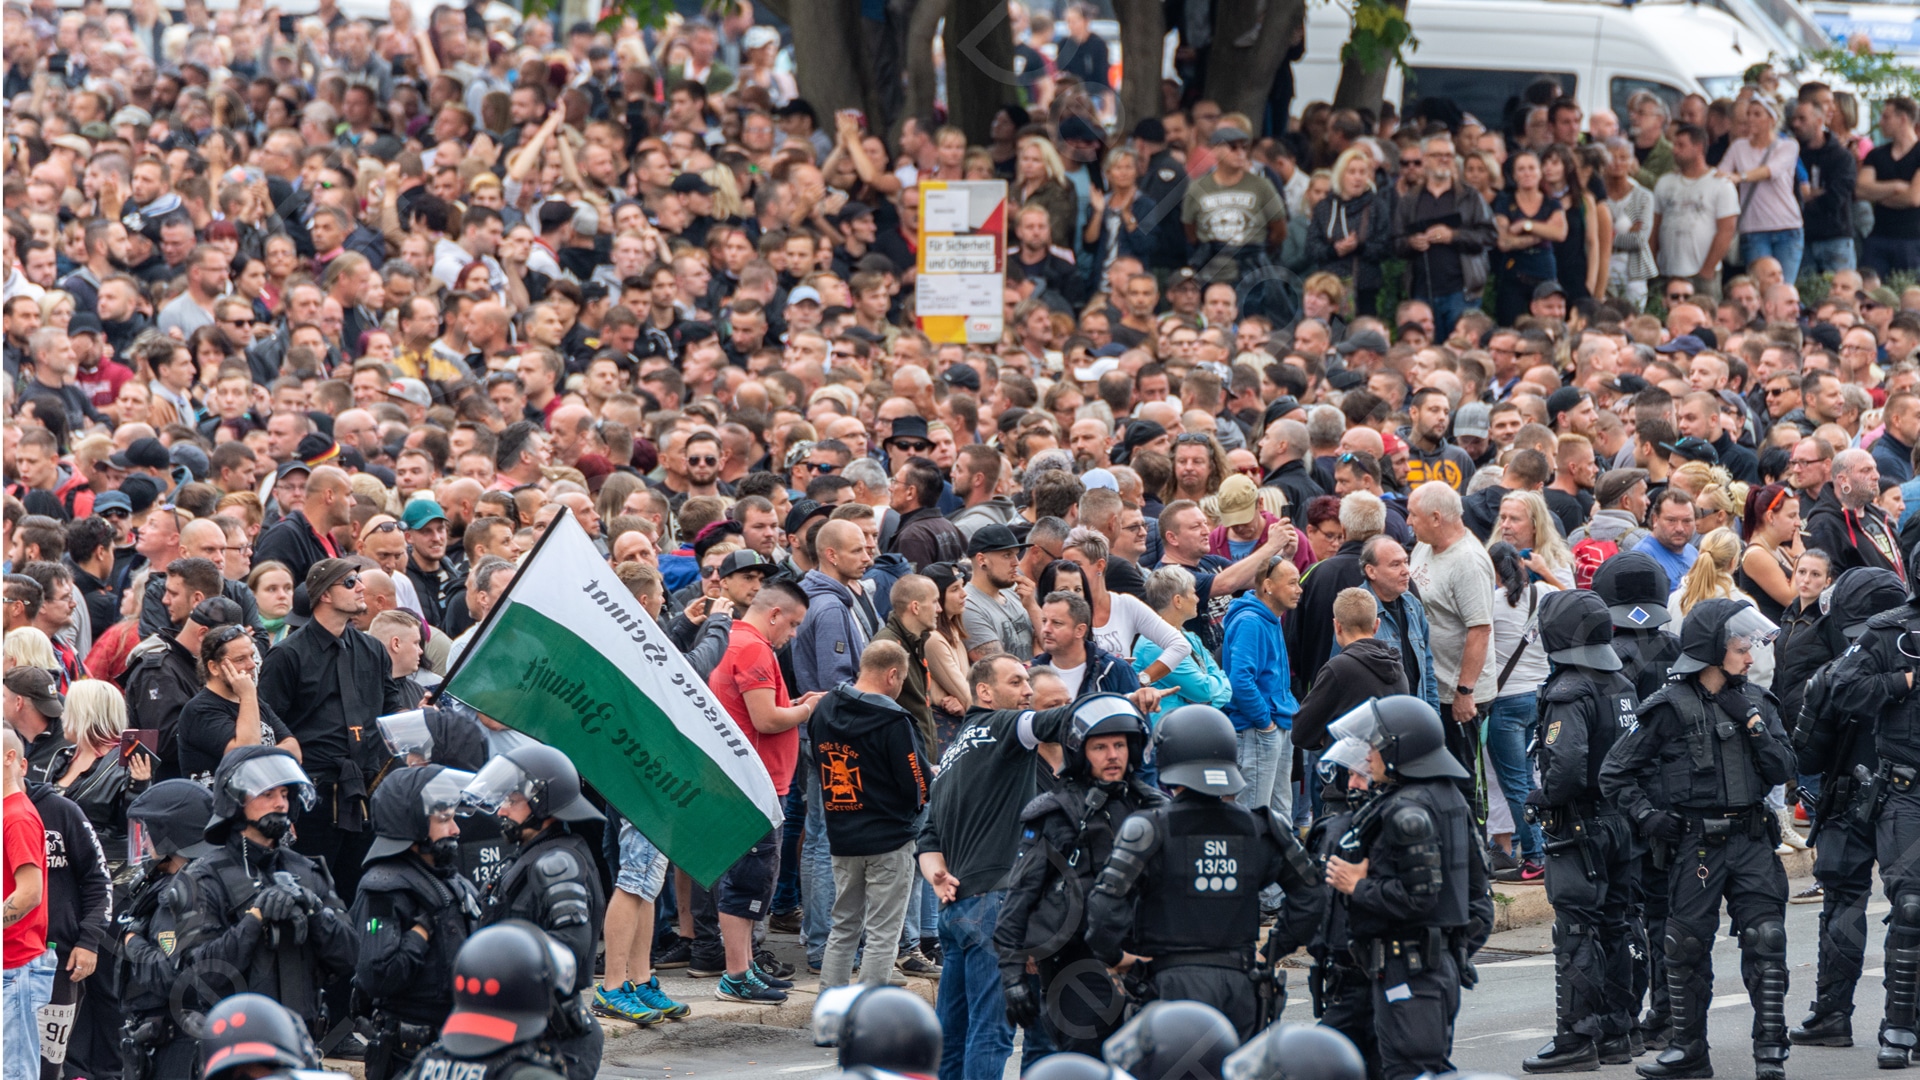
[1510,625]
[1128,618]
[1072,677]
[1457,587]
[1690,213]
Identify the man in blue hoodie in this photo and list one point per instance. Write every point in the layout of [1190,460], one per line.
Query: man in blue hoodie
[1263,704]
[826,653]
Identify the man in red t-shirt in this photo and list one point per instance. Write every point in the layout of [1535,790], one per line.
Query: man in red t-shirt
[29,963]
[750,687]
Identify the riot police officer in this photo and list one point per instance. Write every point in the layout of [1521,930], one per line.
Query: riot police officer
[164,832]
[454,738]
[255,915]
[1418,892]
[1714,745]
[1173,1040]
[1183,882]
[413,912]
[1634,587]
[1067,833]
[550,880]
[1876,679]
[1341,994]
[1586,706]
[1296,1052]
[247,1033]
[1832,744]
[879,1030]
[515,999]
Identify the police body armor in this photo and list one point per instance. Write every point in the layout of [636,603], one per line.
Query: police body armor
[1897,735]
[550,883]
[521,1061]
[1567,689]
[1713,766]
[1058,915]
[395,893]
[1416,832]
[1646,657]
[144,972]
[1211,864]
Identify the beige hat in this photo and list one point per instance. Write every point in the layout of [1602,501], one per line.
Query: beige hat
[1239,501]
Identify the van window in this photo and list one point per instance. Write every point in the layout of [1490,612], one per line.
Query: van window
[1621,90]
[1493,96]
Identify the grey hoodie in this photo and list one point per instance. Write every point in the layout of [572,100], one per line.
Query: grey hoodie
[827,647]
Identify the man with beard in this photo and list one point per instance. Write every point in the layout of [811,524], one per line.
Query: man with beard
[976,480]
[1430,455]
[106,247]
[1437,229]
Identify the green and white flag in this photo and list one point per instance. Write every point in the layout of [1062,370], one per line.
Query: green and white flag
[570,658]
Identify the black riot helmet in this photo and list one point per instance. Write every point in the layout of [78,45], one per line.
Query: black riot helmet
[880,1027]
[442,736]
[1576,628]
[1859,595]
[1635,589]
[249,771]
[406,802]
[1711,626]
[507,978]
[1196,748]
[1297,1052]
[1173,1040]
[1407,733]
[169,818]
[544,775]
[253,1029]
[1066,1066]
[1098,715]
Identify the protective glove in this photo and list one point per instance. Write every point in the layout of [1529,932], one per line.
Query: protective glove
[1538,798]
[277,904]
[1023,1011]
[1663,826]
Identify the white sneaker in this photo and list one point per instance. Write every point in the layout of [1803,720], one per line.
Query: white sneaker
[1790,838]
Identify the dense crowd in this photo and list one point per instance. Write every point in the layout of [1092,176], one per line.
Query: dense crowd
[313,327]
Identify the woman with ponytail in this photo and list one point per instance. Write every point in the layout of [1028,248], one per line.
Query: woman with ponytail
[1712,579]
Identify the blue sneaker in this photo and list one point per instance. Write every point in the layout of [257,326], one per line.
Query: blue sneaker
[748,988]
[621,1005]
[649,994]
[768,978]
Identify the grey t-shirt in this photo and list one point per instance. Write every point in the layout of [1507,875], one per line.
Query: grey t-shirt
[1456,585]
[1004,620]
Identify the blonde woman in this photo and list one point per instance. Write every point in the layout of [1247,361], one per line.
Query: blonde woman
[56,308]
[28,646]
[1695,476]
[1712,578]
[1351,227]
[1040,179]
[1527,524]
[101,779]
[727,203]
[1719,506]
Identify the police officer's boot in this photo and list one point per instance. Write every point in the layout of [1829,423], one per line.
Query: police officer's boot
[1569,1051]
[1765,947]
[1897,1035]
[1829,1020]
[1686,1054]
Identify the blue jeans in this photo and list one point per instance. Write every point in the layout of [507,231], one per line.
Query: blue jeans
[26,988]
[786,895]
[816,876]
[973,1016]
[1258,755]
[1828,256]
[1785,245]
[1446,312]
[1510,726]
[1885,254]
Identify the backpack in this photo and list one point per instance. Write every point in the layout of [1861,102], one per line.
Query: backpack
[1588,554]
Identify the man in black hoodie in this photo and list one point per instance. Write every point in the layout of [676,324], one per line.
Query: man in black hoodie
[873,780]
[1366,667]
[1845,522]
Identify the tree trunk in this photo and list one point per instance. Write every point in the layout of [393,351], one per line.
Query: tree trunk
[1143,32]
[980,75]
[1360,88]
[828,54]
[1239,76]
[922,79]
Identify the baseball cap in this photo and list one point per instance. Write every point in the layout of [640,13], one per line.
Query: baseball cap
[961,377]
[1362,340]
[1077,129]
[1472,421]
[691,184]
[1686,343]
[802,294]
[1183,277]
[112,500]
[216,611]
[146,453]
[1227,133]
[803,511]
[133,114]
[1150,129]
[141,492]
[37,686]
[1565,399]
[411,391]
[186,455]
[1693,449]
[1099,478]
[993,538]
[759,37]
[84,322]
[745,560]
[420,513]
[1094,371]
[1880,297]
[1549,288]
[1239,500]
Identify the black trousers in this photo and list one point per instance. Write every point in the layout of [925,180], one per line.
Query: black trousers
[1347,1007]
[1843,865]
[1592,896]
[317,836]
[1743,873]
[1079,1004]
[1228,989]
[1648,921]
[1413,1017]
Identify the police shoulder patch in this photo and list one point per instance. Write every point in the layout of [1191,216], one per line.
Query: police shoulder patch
[1553,732]
[165,939]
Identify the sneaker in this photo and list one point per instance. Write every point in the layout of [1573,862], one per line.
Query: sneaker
[1800,813]
[649,994]
[772,965]
[1532,873]
[677,955]
[620,1005]
[930,948]
[912,963]
[1502,859]
[746,988]
[1789,835]
[1812,894]
[768,978]
[701,971]
[784,922]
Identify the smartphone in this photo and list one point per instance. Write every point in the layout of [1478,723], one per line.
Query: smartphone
[140,740]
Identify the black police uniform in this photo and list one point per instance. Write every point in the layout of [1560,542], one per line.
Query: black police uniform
[1341,992]
[1714,771]
[1067,834]
[1833,744]
[1593,856]
[1872,680]
[1635,589]
[407,979]
[302,944]
[513,1003]
[144,969]
[1183,882]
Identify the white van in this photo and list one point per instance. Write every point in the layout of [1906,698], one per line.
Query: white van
[1483,54]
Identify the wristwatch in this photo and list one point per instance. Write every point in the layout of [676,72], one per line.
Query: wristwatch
[1463,691]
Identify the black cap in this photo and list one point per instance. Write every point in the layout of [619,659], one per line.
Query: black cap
[1635,589]
[316,449]
[1077,129]
[1150,129]
[1693,449]
[746,560]
[961,377]
[691,184]
[994,538]
[84,322]
[141,491]
[908,427]
[142,454]
[217,611]
[1549,288]
[1565,399]
[853,209]
[803,511]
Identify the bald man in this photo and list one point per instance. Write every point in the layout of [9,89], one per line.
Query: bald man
[203,539]
[304,536]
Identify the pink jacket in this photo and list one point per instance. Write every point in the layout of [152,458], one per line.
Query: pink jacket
[1217,543]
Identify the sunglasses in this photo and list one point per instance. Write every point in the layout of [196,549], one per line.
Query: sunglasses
[709,571]
[1674,298]
[1776,391]
[819,468]
[913,446]
[1192,438]
[383,527]
[111,514]
[238,322]
[703,459]
[352,582]
[1249,470]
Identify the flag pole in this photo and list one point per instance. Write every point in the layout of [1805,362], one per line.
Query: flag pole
[486,624]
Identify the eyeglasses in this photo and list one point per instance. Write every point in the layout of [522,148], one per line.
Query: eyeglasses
[703,459]
[1138,526]
[238,322]
[1799,463]
[1676,297]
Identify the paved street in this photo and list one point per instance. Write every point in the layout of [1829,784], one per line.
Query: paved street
[1502,1022]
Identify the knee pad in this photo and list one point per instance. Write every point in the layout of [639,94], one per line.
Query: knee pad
[1684,949]
[1766,939]
[1906,912]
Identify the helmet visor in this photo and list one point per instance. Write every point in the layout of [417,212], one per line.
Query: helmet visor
[406,733]
[1752,627]
[257,776]
[1098,709]
[140,849]
[500,778]
[565,969]
[1252,1061]
[830,1013]
[1133,1043]
[1361,723]
[1349,753]
[444,794]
